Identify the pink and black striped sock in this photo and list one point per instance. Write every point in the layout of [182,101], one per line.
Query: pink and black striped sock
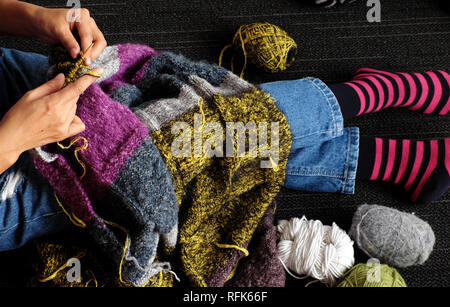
[373,90]
[421,167]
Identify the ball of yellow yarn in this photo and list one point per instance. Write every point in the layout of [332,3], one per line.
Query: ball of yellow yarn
[375,275]
[265,45]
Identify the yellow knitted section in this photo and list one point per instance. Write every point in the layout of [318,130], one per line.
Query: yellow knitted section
[52,268]
[223,199]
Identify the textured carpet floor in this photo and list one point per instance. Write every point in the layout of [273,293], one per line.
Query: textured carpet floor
[413,35]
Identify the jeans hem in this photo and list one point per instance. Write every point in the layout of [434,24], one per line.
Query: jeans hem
[348,184]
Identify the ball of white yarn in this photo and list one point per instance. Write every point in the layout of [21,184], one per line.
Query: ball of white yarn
[312,249]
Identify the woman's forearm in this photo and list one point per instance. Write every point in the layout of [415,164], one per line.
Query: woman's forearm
[17,17]
[8,153]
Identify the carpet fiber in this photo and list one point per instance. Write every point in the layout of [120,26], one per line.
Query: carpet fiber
[412,36]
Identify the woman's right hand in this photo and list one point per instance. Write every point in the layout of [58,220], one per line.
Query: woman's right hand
[43,115]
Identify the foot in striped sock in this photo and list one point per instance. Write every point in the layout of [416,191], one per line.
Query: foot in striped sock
[421,167]
[373,90]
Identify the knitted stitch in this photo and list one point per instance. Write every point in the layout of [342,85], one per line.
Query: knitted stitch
[222,199]
[261,268]
[126,182]
[132,176]
[53,266]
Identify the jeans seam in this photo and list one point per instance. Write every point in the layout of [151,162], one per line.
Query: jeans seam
[317,175]
[321,173]
[313,133]
[348,159]
[318,85]
[29,221]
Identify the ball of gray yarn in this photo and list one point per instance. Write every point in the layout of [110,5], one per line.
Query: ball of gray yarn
[394,237]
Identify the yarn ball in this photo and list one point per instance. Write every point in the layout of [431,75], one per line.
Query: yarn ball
[394,237]
[311,249]
[375,275]
[266,46]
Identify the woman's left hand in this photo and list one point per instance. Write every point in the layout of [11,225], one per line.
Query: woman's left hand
[56,26]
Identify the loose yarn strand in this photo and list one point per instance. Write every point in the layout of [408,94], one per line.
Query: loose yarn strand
[54,274]
[72,217]
[241,249]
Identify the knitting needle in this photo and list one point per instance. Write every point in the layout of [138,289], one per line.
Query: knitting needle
[83,54]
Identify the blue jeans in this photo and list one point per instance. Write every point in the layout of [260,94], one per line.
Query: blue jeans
[28,208]
[323,156]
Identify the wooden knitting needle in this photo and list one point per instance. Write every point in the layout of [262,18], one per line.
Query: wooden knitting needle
[83,54]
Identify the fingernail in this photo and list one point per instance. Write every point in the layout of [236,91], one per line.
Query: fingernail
[74,52]
[99,70]
[88,61]
[59,76]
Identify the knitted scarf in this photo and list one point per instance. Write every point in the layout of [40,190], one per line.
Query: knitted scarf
[134,192]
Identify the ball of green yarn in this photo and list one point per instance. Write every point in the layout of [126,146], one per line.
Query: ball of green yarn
[374,275]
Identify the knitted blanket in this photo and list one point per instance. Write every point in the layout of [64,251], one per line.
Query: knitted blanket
[162,164]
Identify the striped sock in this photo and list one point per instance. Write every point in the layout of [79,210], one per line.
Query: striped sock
[374,90]
[421,167]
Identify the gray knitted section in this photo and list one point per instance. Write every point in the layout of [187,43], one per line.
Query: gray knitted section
[141,200]
[127,94]
[109,61]
[394,237]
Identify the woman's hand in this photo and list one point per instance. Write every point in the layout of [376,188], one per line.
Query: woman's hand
[42,116]
[52,26]
[55,25]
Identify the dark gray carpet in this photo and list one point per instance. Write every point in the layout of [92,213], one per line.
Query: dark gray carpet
[413,35]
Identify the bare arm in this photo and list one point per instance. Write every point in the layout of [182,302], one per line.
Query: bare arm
[42,116]
[52,26]
[16,17]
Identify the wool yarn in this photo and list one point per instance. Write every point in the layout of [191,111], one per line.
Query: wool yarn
[124,197]
[265,45]
[394,237]
[311,249]
[134,179]
[374,275]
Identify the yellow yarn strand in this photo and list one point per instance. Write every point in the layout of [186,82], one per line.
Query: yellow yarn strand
[200,106]
[127,239]
[222,52]
[72,217]
[75,70]
[92,279]
[75,152]
[243,50]
[232,272]
[124,252]
[53,276]
[241,249]
[274,165]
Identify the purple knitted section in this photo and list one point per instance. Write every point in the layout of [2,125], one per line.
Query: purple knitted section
[220,276]
[261,268]
[113,132]
[66,184]
[133,66]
